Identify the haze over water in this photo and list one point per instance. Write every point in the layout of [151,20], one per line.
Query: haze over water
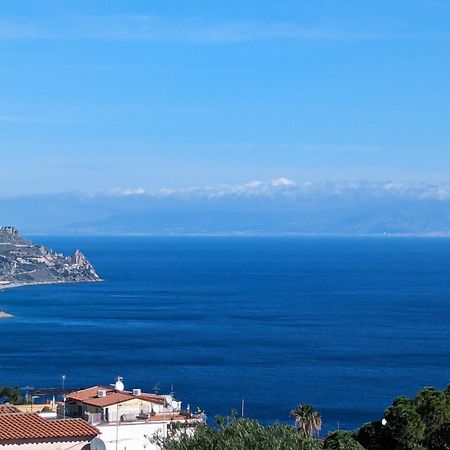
[345,324]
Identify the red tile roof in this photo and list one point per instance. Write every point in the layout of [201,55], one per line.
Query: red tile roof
[90,397]
[8,409]
[153,398]
[31,426]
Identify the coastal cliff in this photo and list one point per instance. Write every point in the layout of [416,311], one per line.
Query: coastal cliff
[23,263]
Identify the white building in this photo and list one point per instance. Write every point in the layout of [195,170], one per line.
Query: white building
[28,431]
[128,420]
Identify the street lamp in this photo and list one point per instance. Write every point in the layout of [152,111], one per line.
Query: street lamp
[63,379]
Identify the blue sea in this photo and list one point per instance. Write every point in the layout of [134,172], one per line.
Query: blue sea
[344,324]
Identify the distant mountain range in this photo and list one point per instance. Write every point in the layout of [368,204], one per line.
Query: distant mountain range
[22,262]
[277,207]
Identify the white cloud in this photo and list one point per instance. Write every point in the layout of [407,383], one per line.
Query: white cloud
[127,192]
[286,188]
[283,182]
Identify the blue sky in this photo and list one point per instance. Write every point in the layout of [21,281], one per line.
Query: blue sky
[102,95]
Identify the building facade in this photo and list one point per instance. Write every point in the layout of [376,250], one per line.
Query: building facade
[129,420]
[29,431]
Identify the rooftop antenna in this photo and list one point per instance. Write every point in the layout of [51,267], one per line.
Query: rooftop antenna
[172,392]
[157,387]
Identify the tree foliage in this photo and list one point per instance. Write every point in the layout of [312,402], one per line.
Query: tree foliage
[405,428]
[372,436]
[433,406]
[241,434]
[307,419]
[420,423]
[10,395]
[439,439]
[341,440]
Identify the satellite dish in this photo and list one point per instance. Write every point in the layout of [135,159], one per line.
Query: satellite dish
[97,444]
[119,386]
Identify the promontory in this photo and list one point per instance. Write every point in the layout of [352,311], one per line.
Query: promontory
[23,263]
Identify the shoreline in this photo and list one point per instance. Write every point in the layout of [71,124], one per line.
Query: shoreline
[39,283]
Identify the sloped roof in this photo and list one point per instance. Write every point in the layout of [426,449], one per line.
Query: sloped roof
[153,398]
[25,426]
[8,409]
[90,396]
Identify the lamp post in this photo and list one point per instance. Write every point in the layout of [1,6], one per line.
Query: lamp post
[63,379]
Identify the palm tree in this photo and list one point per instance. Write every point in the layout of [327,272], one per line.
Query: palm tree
[307,419]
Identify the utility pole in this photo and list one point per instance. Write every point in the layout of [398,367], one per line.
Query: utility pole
[242,407]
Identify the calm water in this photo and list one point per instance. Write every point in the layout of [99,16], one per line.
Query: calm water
[343,324]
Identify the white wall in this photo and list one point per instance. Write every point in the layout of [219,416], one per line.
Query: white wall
[131,436]
[40,445]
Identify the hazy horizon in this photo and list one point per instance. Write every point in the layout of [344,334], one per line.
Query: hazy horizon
[254,118]
[103,96]
[278,206]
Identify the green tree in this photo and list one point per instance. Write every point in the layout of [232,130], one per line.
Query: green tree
[307,419]
[433,408]
[372,436]
[404,429]
[341,440]
[10,395]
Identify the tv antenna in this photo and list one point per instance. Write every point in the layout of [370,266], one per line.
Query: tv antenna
[157,387]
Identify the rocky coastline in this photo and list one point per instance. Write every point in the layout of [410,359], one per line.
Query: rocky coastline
[23,263]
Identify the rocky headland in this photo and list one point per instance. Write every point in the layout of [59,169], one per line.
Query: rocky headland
[24,263]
